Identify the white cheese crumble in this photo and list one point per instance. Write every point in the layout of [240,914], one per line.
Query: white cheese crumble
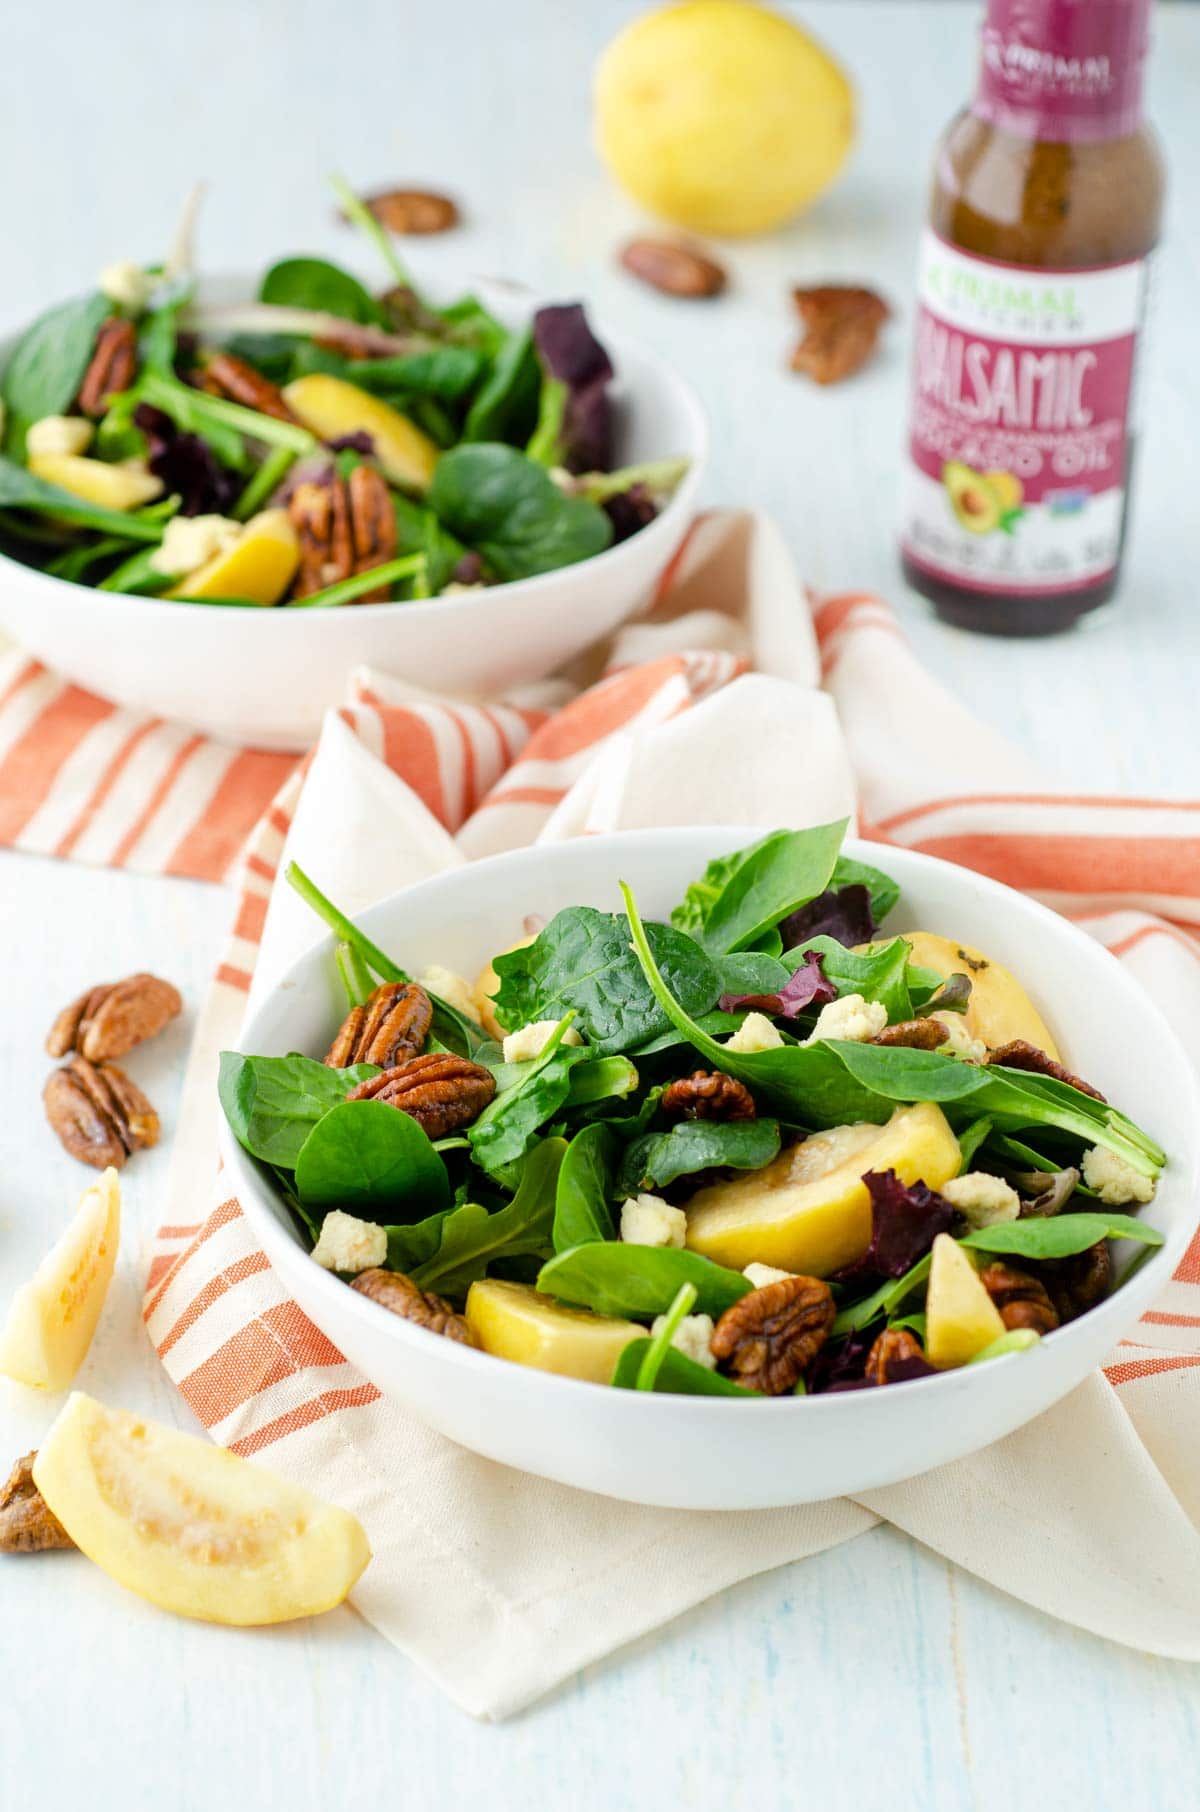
[756,1033]
[851,1018]
[59,434]
[692,1338]
[451,987]
[761,1275]
[1115,1181]
[126,284]
[960,1042]
[190,542]
[347,1244]
[646,1220]
[982,1200]
[528,1042]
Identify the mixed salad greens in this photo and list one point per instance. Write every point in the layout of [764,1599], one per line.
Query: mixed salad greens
[319,445]
[758,1149]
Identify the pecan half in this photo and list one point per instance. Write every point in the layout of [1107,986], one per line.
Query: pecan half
[1019,1054]
[100,1116]
[233,378]
[27,1523]
[769,1339]
[1023,1302]
[412,210]
[896,1355]
[1078,1283]
[915,1034]
[112,368]
[372,526]
[442,1092]
[708,1095]
[320,515]
[391,1026]
[676,270]
[109,1020]
[841,326]
[392,1290]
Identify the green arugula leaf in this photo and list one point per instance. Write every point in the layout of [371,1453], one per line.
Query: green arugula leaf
[678,1374]
[471,1238]
[273,1103]
[370,1159]
[638,1282]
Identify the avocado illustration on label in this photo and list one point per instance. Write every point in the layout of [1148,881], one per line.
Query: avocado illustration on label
[983,501]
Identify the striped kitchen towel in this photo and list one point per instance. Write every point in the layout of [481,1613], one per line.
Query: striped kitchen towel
[501,1585]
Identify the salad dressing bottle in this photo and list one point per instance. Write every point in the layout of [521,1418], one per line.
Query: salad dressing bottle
[1047,197]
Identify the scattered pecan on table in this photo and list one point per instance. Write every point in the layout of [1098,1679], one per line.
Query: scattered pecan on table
[412,210]
[1078,1283]
[841,325]
[100,1116]
[1019,1054]
[768,1339]
[107,1021]
[443,1093]
[708,1095]
[228,376]
[344,526]
[896,1355]
[112,367]
[1023,1302]
[676,270]
[914,1034]
[27,1523]
[390,1026]
[392,1290]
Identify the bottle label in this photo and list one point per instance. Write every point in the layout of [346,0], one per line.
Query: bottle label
[1020,422]
[1064,70]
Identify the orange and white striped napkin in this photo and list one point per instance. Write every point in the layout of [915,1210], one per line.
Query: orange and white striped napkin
[502,1585]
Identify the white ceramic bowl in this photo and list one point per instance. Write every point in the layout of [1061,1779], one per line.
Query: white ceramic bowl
[703,1453]
[266,677]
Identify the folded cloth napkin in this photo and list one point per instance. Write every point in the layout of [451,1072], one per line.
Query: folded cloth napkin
[499,1584]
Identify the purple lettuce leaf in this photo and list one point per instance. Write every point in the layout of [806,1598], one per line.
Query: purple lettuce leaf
[843,913]
[906,1218]
[570,352]
[630,511]
[187,465]
[809,986]
[841,1364]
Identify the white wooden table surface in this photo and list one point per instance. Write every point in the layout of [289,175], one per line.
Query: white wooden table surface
[875,1674]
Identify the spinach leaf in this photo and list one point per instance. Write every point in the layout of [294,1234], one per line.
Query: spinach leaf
[692,1145]
[1060,1236]
[506,405]
[601,1079]
[468,323]
[583,960]
[504,1129]
[447,372]
[746,893]
[471,1238]
[883,890]
[581,1207]
[660,1340]
[638,1282]
[752,972]
[370,1159]
[273,1103]
[411,1246]
[48,362]
[314,283]
[677,1374]
[418,531]
[970,1139]
[495,500]
[882,974]
[21,490]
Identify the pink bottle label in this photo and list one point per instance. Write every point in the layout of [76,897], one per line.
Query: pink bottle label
[1064,70]
[1021,414]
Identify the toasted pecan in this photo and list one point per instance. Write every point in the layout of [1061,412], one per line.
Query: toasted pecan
[392,1290]
[391,1026]
[675,269]
[841,325]
[237,380]
[27,1523]
[708,1095]
[1023,1301]
[770,1337]
[112,367]
[1019,1054]
[442,1092]
[99,1115]
[107,1021]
